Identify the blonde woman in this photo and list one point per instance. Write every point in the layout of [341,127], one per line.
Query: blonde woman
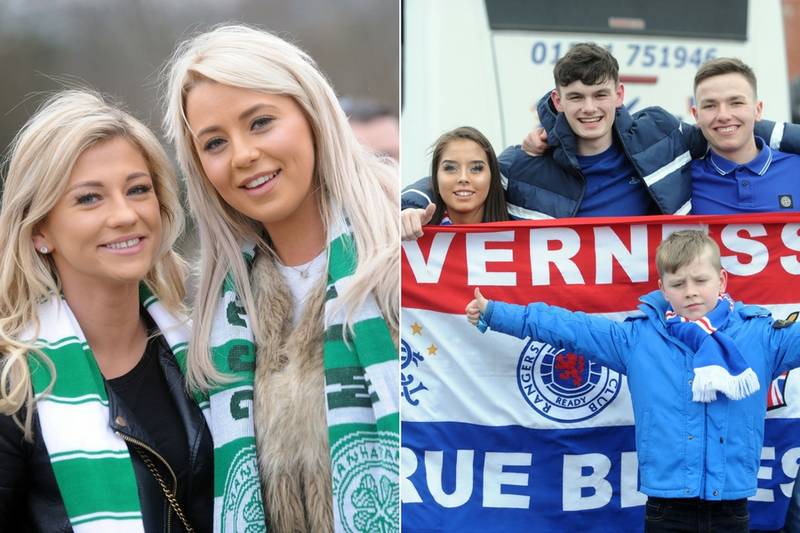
[97,432]
[274,171]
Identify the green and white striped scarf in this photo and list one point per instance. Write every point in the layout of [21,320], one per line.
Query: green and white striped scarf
[238,505]
[91,463]
[361,389]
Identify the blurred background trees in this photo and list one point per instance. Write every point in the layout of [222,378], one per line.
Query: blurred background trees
[119,46]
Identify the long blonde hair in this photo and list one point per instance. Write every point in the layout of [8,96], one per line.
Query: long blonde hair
[39,163]
[361,186]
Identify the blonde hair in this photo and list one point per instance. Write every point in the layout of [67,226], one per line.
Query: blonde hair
[39,163]
[682,247]
[353,182]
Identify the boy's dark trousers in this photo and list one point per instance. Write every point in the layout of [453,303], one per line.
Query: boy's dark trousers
[693,515]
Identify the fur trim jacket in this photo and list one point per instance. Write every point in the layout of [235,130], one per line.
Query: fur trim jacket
[289,406]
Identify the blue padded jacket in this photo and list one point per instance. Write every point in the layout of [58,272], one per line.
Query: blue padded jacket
[686,449]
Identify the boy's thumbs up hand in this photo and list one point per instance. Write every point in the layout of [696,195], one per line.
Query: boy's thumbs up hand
[480,300]
[476,307]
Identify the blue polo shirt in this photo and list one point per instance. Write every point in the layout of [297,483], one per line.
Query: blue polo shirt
[770,182]
[613,188]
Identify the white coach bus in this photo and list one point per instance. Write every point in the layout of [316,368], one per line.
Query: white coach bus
[485,63]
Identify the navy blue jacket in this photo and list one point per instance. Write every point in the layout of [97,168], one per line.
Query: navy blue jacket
[658,145]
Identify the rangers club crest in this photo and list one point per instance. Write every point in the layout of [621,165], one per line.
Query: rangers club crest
[564,387]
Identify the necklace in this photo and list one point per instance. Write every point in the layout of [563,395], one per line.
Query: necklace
[306,270]
[302,271]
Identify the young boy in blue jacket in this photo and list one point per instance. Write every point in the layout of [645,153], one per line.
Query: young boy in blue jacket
[698,366]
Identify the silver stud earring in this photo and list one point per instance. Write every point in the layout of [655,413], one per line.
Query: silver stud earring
[44,249]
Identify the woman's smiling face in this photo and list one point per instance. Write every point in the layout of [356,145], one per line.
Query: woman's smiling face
[463,177]
[256,149]
[106,227]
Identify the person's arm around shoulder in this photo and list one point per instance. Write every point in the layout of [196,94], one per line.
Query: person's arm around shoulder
[609,343]
[783,136]
[535,142]
[417,195]
[693,140]
[656,120]
[516,165]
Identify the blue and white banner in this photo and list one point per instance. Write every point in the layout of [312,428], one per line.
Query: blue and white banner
[502,434]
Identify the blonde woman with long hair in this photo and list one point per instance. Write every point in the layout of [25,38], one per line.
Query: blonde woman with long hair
[299,276]
[97,432]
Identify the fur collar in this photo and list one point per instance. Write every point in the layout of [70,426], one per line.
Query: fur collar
[289,405]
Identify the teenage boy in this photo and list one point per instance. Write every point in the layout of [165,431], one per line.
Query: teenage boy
[740,173]
[604,161]
[698,366]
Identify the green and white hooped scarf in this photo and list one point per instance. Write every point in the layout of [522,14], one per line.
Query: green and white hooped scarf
[361,390]
[238,505]
[91,463]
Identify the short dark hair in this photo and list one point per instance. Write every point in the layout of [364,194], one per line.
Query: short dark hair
[725,65]
[495,209]
[588,63]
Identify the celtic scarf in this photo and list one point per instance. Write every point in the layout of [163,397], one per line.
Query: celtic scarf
[718,364]
[91,462]
[361,390]
[238,505]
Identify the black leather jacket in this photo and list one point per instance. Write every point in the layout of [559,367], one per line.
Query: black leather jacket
[30,501]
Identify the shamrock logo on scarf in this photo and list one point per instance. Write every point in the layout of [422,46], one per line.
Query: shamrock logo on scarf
[254,514]
[376,505]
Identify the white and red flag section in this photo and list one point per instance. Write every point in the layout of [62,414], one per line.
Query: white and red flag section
[500,434]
